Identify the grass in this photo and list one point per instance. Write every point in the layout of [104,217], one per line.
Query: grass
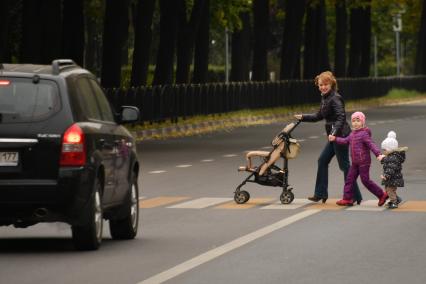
[248,117]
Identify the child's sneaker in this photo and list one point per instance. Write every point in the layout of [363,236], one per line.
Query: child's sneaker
[398,200]
[392,205]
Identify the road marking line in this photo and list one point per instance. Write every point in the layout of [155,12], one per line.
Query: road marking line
[313,137]
[368,205]
[159,201]
[156,172]
[253,202]
[297,203]
[301,140]
[267,147]
[183,166]
[229,155]
[412,206]
[330,205]
[201,203]
[207,160]
[223,249]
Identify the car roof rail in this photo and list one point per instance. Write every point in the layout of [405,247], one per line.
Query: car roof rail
[59,65]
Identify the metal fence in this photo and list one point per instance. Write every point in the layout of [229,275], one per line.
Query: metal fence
[159,103]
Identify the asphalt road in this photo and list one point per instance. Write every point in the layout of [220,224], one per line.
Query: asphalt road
[192,232]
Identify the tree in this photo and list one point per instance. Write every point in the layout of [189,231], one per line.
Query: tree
[144,12]
[186,38]
[421,44]
[316,41]
[114,36]
[4,32]
[341,39]
[241,48]
[360,39]
[202,42]
[292,39]
[41,41]
[261,39]
[166,51]
[73,30]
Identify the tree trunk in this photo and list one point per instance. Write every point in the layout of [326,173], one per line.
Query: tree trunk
[360,41]
[73,31]
[51,30]
[202,43]
[114,36]
[341,39]
[364,67]
[186,39]
[316,48]
[31,32]
[261,39]
[143,38]
[91,46]
[241,51]
[4,31]
[292,39]
[421,44]
[166,51]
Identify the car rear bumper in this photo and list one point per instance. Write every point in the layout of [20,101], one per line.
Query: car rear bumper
[64,199]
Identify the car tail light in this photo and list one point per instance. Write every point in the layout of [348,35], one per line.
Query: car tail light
[73,151]
[4,82]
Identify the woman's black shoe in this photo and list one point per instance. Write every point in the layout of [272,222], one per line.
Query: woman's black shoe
[358,202]
[316,199]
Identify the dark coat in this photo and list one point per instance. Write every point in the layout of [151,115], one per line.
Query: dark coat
[360,145]
[392,166]
[332,109]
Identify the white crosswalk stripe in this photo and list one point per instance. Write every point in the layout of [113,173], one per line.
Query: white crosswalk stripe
[368,205]
[297,203]
[201,203]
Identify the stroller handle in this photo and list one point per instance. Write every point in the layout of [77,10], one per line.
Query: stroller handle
[295,125]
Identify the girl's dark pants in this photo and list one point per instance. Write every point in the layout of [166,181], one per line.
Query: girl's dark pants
[342,154]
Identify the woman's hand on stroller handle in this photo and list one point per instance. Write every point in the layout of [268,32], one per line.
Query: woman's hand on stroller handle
[298,116]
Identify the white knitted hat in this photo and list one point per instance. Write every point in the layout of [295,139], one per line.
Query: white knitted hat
[390,143]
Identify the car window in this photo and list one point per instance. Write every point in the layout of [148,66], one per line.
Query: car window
[104,105]
[21,100]
[87,99]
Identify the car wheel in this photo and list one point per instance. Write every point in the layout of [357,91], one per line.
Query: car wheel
[127,227]
[89,236]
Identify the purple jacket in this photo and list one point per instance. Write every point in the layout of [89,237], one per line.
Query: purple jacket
[360,144]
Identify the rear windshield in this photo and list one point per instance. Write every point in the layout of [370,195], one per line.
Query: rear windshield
[21,100]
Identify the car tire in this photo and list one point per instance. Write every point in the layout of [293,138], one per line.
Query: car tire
[127,228]
[89,236]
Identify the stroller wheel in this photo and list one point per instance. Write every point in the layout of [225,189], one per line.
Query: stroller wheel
[286,197]
[241,197]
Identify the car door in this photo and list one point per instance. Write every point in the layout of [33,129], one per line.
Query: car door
[122,142]
[100,135]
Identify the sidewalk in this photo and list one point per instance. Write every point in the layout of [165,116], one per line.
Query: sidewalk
[208,126]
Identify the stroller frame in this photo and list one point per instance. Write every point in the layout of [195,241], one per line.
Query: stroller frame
[273,176]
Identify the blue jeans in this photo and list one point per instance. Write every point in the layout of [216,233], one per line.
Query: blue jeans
[342,155]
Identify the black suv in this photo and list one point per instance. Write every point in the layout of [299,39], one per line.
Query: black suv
[64,155]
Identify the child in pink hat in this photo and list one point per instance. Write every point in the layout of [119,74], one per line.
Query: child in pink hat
[360,145]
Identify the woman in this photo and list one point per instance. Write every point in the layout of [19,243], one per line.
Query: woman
[332,109]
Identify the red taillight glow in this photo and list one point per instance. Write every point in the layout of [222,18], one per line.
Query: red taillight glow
[4,83]
[73,147]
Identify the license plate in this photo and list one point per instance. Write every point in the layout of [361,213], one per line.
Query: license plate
[9,159]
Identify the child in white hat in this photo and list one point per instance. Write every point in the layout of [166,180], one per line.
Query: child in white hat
[392,167]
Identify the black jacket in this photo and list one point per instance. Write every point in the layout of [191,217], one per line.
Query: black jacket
[332,109]
[392,166]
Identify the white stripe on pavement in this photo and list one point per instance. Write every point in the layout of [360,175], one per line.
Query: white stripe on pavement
[157,172]
[368,205]
[293,205]
[207,160]
[229,155]
[216,252]
[201,203]
[183,166]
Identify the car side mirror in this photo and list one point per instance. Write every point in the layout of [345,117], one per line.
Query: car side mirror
[129,114]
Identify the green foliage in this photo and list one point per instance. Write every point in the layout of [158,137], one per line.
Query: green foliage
[226,13]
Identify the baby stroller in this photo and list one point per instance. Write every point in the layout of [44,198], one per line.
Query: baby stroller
[268,174]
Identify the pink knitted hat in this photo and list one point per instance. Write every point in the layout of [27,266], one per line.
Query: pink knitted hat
[359,115]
